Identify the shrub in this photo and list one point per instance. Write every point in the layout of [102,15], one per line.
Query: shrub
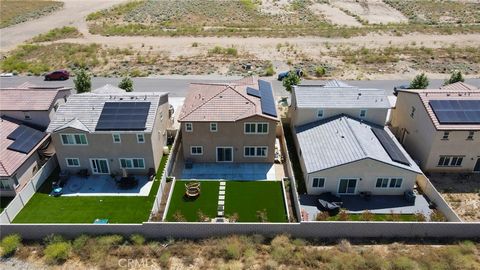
[53,238]
[165,260]
[419,82]
[320,71]
[232,51]
[195,44]
[437,216]
[202,217]
[343,216]
[282,249]
[233,217]
[57,34]
[322,216]
[10,244]
[455,77]
[291,80]
[367,216]
[137,239]
[82,81]
[269,71]
[126,84]
[57,252]
[262,215]
[233,249]
[110,240]
[403,263]
[178,216]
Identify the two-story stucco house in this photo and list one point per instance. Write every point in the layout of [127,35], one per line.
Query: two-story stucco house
[21,155]
[440,128]
[107,133]
[33,105]
[343,145]
[312,103]
[231,122]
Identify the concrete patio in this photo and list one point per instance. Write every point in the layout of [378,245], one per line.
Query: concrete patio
[104,185]
[230,171]
[377,204]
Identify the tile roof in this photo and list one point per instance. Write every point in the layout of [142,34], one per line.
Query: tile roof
[82,111]
[461,86]
[426,95]
[317,96]
[340,140]
[11,160]
[29,97]
[221,102]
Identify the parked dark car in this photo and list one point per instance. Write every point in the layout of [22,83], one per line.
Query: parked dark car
[400,87]
[283,75]
[57,75]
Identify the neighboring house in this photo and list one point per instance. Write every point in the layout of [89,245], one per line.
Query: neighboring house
[20,155]
[232,122]
[106,133]
[346,156]
[33,105]
[440,128]
[312,103]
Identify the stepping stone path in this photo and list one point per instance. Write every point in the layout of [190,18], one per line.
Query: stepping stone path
[221,200]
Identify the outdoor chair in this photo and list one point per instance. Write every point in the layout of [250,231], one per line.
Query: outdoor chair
[151,174]
[84,173]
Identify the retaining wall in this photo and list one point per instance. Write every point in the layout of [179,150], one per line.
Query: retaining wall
[312,230]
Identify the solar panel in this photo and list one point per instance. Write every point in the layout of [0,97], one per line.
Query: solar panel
[253,92]
[456,111]
[389,145]
[267,101]
[17,132]
[123,116]
[25,139]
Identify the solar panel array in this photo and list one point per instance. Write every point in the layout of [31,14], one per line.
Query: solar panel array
[123,116]
[389,145]
[253,92]
[25,139]
[456,111]
[267,101]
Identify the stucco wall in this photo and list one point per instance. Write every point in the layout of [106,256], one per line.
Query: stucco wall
[424,143]
[302,116]
[101,145]
[228,134]
[159,134]
[368,171]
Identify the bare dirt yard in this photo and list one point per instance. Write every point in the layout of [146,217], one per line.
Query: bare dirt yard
[461,191]
[372,11]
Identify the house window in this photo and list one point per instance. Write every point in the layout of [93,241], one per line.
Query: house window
[73,162]
[470,135]
[388,182]
[395,183]
[6,185]
[363,113]
[27,115]
[412,112]
[318,182]
[445,135]
[381,183]
[140,138]
[255,151]
[132,163]
[116,138]
[450,161]
[196,150]
[188,127]
[74,139]
[256,128]
[213,127]
[320,114]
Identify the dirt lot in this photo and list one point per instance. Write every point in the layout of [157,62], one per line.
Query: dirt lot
[462,192]
[372,11]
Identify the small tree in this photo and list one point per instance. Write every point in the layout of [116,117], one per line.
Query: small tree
[262,215]
[126,84]
[291,80]
[419,82]
[455,77]
[82,81]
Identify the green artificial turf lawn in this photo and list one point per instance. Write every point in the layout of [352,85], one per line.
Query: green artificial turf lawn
[188,208]
[43,208]
[245,198]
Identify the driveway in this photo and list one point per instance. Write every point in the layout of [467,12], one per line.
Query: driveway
[73,13]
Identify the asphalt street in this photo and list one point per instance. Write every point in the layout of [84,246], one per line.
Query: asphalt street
[177,86]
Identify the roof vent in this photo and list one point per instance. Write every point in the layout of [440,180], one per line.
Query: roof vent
[343,137]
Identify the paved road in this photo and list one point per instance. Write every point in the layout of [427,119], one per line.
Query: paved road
[177,85]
